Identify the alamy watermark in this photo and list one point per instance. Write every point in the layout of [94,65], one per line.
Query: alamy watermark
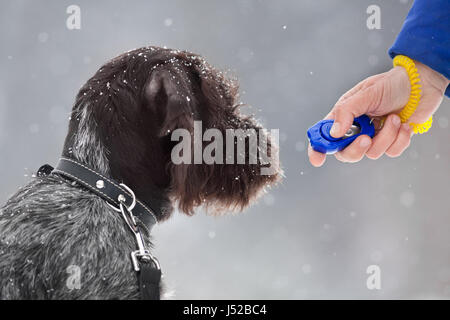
[73,281]
[73,21]
[374,19]
[373,281]
[251,146]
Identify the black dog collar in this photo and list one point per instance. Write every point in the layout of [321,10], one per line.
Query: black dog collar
[121,199]
[105,187]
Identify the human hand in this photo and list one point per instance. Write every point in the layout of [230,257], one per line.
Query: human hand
[381,95]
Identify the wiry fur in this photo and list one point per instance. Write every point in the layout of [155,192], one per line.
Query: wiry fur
[50,225]
[87,144]
[120,125]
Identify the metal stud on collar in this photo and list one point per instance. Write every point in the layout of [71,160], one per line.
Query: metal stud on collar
[121,198]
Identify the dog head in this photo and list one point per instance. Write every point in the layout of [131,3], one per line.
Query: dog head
[128,120]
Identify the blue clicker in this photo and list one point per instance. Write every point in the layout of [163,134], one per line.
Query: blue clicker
[321,140]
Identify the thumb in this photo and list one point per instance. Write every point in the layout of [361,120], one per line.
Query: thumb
[362,102]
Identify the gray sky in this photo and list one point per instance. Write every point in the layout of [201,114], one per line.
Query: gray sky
[313,236]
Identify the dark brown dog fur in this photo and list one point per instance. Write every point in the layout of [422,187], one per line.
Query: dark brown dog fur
[138,99]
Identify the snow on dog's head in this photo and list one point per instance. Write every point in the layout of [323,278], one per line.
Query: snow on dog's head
[126,119]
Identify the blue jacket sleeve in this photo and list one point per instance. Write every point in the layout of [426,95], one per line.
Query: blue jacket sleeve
[425,36]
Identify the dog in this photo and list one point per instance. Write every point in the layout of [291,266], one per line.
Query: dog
[120,126]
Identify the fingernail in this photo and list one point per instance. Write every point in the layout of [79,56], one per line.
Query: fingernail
[365,141]
[334,131]
[396,121]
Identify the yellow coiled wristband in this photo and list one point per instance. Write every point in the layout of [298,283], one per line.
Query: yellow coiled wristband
[414,97]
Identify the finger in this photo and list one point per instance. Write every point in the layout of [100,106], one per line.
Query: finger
[351,92]
[360,103]
[329,116]
[401,143]
[356,150]
[317,159]
[384,139]
[361,85]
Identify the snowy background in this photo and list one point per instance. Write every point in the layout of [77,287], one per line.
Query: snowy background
[315,235]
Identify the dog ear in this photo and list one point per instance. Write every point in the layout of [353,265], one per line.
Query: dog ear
[220,187]
[169,94]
